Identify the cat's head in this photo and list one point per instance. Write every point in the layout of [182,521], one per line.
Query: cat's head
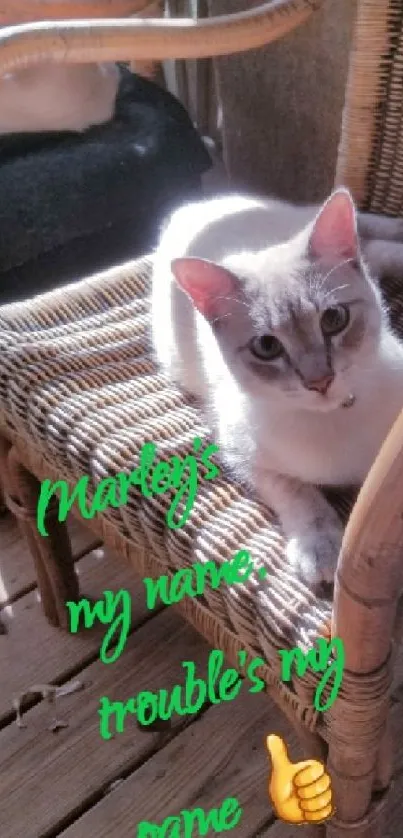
[300,320]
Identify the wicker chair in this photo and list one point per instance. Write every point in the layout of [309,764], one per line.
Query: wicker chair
[79,394]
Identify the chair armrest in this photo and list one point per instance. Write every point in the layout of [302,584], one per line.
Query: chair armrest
[370,567]
[20,11]
[84,41]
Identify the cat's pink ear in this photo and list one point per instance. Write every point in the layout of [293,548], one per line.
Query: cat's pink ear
[334,232]
[208,285]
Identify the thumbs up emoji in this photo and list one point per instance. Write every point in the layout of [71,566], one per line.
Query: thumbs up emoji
[300,792]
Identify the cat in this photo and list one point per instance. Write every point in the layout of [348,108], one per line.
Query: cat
[272,316]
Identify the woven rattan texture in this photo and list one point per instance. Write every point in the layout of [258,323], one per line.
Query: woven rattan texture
[371,148]
[78,384]
[385,174]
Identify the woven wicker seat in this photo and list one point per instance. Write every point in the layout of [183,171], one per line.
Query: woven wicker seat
[89,410]
[80,395]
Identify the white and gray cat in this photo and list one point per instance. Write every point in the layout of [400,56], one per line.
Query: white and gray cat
[271,314]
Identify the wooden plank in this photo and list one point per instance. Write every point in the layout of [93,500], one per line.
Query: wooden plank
[33,652]
[221,755]
[17,574]
[59,772]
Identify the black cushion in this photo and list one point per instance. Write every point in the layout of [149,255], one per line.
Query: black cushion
[71,204]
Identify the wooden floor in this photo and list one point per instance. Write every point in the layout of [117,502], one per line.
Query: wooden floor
[70,782]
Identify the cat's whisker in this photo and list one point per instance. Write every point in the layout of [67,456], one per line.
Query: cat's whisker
[221,317]
[336,267]
[317,281]
[234,300]
[332,291]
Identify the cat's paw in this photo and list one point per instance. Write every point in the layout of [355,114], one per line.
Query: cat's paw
[314,555]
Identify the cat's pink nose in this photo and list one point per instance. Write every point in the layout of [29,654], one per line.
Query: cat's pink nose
[321,385]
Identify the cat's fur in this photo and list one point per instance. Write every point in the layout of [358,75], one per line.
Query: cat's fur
[251,268]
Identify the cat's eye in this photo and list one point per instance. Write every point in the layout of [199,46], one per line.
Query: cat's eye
[334,320]
[266,348]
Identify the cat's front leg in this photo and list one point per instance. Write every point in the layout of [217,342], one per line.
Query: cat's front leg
[311,526]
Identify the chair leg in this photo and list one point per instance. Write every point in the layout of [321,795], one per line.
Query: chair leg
[370,826]
[358,812]
[3,506]
[384,765]
[56,577]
